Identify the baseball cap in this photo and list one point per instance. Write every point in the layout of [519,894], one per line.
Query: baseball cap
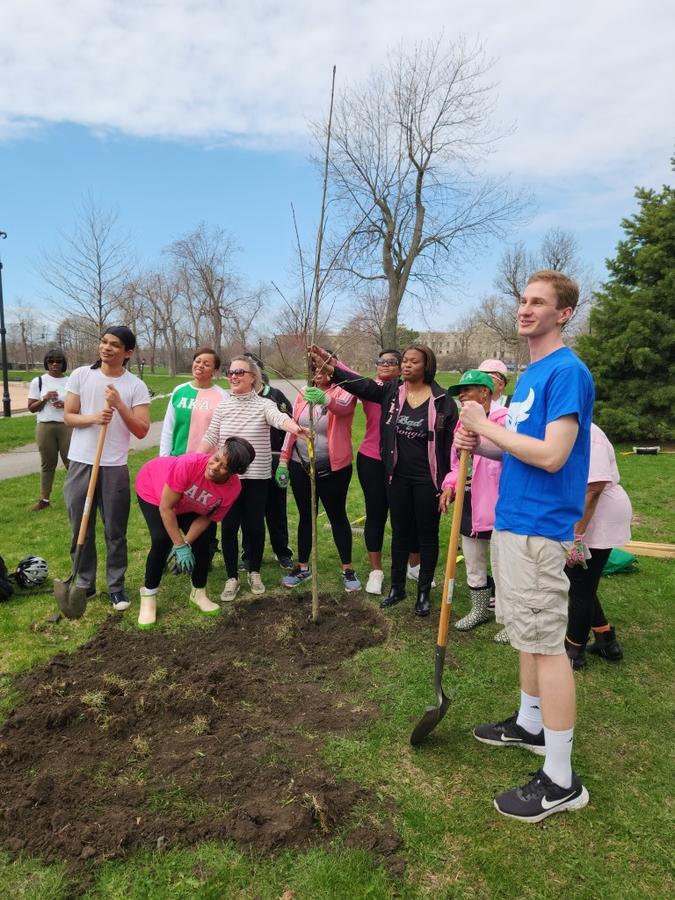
[494,365]
[472,378]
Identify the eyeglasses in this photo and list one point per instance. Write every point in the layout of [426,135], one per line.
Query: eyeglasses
[387,363]
[238,372]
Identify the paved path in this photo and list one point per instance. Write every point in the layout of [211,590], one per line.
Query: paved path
[26,460]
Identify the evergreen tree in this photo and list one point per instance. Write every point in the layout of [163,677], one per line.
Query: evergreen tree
[631,346]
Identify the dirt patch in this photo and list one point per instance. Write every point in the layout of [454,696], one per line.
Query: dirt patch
[149,740]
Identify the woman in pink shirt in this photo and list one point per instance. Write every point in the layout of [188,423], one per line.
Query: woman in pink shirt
[605,524]
[333,411]
[180,496]
[370,469]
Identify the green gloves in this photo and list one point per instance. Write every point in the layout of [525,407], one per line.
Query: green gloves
[181,560]
[281,476]
[315,395]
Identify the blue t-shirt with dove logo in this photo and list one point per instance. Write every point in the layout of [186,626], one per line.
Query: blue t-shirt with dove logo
[531,500]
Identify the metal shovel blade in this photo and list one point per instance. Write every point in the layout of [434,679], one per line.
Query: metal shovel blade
[71,599]
[433,714]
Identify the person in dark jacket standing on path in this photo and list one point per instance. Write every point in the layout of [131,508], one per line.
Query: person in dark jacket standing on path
[418,419]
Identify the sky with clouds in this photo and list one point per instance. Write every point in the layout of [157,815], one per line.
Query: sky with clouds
[176,112]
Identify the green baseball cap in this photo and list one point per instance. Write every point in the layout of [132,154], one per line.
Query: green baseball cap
[472,378]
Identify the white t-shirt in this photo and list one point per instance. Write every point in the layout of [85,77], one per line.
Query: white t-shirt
[89,385]
[49,412]
[610,525]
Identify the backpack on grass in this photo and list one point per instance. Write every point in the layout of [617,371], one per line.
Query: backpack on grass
[6,587]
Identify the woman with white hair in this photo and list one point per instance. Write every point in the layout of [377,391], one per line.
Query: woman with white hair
[244,413]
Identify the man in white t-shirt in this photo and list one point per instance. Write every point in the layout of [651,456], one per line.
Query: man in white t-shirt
[105,393]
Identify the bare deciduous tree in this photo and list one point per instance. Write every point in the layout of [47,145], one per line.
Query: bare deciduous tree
[90,270]
[559,251]
[204,259]
[406,149]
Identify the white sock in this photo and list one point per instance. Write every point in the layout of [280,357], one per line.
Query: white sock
[558,763]
[529,714]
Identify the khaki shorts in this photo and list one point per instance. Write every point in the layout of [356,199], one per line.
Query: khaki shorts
[531,594]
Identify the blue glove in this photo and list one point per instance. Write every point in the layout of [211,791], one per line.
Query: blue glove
[281,476]
[315,395]
[181,560]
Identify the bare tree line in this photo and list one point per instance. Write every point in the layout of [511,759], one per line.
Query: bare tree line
[193,297]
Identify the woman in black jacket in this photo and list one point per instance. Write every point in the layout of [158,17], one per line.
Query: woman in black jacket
[418,420]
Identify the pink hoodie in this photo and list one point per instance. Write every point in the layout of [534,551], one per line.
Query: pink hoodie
[341,405]
[484,480]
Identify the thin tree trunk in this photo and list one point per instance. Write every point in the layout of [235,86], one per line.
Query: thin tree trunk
[316,298]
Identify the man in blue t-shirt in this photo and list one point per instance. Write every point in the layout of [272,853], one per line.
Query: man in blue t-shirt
[545,449]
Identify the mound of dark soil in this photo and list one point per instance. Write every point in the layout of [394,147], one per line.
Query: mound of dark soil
[154,740]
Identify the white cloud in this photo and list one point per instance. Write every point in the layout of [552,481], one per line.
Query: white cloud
[586,83]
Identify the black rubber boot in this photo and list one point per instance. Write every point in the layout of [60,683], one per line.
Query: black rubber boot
[606,645]
[576,654]
[395,595]
[423,604]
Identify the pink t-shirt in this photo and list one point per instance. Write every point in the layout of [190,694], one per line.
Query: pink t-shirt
[610,525]
[185,475]
[370,445]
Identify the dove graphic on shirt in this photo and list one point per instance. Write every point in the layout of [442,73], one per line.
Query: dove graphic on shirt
[519,411]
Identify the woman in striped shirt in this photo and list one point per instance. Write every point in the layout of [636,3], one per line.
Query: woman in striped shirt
[244,413]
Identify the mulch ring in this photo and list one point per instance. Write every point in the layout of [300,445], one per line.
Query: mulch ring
[153,740]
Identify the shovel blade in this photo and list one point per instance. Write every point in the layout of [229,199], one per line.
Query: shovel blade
[432,716]
[71,599]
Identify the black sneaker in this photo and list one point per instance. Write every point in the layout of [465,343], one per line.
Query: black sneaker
[90,594]
[243,564]
[540,798]
[509,734]
[286,562]
[119,601]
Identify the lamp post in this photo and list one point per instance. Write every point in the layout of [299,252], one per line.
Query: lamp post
[6,402]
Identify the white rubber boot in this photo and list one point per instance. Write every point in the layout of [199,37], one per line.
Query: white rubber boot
[199,598]
[147,615]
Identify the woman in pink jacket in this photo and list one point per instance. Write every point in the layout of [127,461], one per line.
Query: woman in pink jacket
[333,411]
[480,499]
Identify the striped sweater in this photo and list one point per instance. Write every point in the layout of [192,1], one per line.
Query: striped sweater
[248,416]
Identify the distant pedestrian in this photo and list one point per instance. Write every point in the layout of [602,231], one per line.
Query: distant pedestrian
[46,397]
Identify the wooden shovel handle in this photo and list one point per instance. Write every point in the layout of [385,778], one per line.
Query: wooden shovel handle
[93,478]
[451,562]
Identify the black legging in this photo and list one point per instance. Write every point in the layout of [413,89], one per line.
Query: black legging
[161,544]
[374,486]
[585,609]
[332,491]
[248,512]
[373,480]
[414,513]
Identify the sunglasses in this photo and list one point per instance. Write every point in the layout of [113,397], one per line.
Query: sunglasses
[387,363]
[238,372]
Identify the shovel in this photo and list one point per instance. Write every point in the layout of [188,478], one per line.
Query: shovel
[434,714]
[71,599]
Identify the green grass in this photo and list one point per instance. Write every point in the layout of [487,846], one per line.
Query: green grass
[440,794]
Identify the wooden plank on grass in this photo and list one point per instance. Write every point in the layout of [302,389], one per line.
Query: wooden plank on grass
[650,548]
